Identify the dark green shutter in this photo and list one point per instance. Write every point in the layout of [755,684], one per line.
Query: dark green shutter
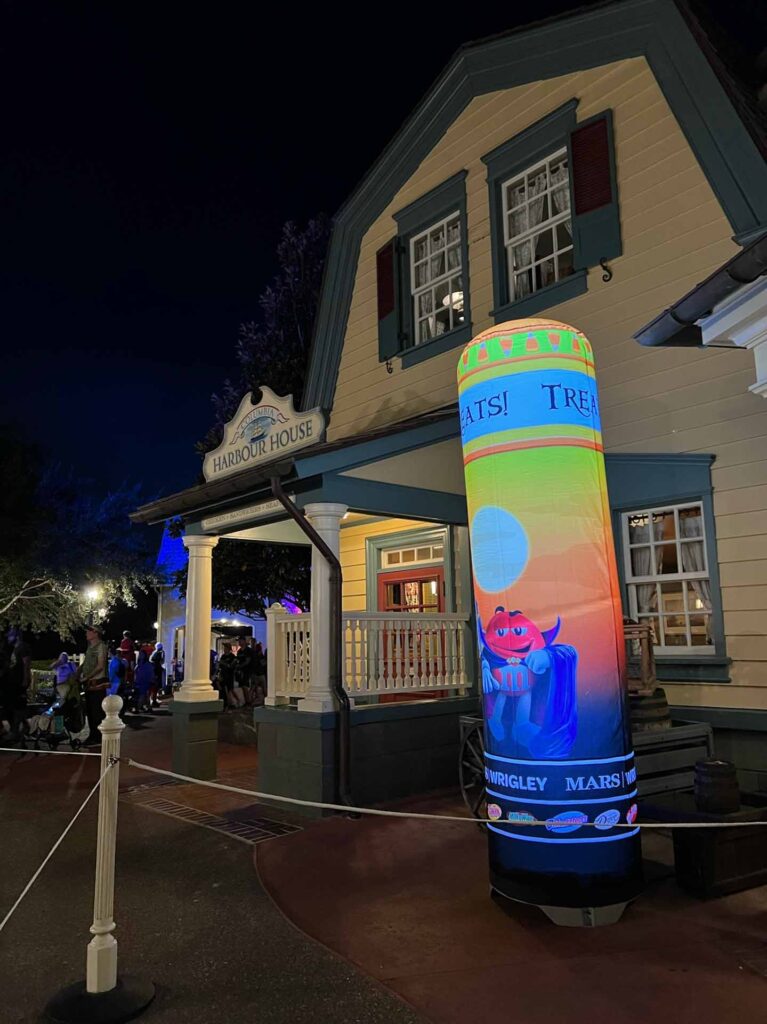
[596,217]
[387,273]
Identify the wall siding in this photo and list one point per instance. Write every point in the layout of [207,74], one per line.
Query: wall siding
[675,400]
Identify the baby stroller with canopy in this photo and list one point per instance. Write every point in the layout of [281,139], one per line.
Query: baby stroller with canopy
[63,722]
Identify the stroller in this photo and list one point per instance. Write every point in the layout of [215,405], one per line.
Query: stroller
[63,722]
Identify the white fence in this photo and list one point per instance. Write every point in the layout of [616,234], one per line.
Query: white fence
[385,652]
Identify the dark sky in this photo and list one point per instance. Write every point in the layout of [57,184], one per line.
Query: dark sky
[151,154]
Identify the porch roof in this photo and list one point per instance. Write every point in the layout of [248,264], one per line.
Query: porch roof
[316,470]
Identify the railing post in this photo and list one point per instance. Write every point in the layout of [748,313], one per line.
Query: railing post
[275,658]
[104,997]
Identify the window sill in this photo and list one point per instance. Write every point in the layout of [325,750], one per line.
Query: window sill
[710,669]
[568,288]
[435,347]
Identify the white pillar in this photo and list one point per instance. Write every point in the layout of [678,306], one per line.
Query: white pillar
[101,960]
[326,518]
[199,587]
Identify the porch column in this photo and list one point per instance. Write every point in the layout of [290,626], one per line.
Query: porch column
[326,519]
[196,706]
[199,589]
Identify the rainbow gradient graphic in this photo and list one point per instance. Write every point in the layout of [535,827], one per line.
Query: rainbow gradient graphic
[549,618]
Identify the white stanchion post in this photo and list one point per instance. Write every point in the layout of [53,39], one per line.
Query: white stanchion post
[101,964]
[104,998]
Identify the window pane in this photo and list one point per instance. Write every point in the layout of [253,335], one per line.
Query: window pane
[424,303]
[392,557]
[672,596]
[663,526]
[423,553]
[408,555]
[701,634]
[425,330]
[515,194]
[437,265]
[522,284]
[641,561]
[454,231]
[421,275]
[538,210]
[544,243]
[437,551]
[517,223]
[420,248]
[560,199]
[522,255]
[536,182]
[691,522]
[564,235]
[565,263]
[453,258]
[639,529]
[652,621]
[437,238]
[666,558]
[544,274]
[675,637]
[558,171]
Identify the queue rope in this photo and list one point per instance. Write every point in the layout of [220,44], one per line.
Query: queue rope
[67,753]
[55,846]
[380,812]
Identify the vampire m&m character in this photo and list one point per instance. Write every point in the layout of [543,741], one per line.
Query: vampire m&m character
[529,686]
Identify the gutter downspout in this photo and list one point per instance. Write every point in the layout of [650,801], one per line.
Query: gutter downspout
[336,648]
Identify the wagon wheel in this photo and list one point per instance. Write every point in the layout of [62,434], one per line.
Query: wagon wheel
[471,773]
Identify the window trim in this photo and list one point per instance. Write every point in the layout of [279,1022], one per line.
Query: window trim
[412,220]
[409,538]
[632,581]
[536,142]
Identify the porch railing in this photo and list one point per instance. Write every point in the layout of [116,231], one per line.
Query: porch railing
[384,653]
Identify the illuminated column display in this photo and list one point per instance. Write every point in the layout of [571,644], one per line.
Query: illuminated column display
[549,620]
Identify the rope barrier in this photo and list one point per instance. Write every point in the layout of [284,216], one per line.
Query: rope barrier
[67,753]
[55,846]
[380,812]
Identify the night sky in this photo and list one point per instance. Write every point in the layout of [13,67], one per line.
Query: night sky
[152,153]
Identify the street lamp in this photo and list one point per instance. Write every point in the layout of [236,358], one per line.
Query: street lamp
[92,595]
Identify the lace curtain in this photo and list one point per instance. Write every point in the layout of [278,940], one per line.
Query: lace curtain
[693,557]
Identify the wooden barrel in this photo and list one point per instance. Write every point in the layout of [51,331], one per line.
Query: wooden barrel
[716,787]
[649,714]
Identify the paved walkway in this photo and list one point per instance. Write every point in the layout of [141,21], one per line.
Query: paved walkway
[191,914]
[408,902]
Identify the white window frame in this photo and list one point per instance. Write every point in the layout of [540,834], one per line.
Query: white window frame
[633,581]
[416,291]
[386,566]
[510,242]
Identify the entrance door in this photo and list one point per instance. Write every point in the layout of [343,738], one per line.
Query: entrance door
[418,592]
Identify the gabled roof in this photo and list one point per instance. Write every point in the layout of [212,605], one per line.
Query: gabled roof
[587,38]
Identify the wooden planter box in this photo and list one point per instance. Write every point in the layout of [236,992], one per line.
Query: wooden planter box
[714,862]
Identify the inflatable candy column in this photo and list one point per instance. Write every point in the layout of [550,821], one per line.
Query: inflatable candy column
[557,741]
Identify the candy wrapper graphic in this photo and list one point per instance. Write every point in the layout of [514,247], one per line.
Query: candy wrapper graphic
[549,618]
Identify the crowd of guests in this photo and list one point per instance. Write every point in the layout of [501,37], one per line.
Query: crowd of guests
[134,671]
[240,677]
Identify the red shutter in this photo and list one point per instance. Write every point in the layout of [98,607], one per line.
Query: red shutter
[592,183]
[385,264]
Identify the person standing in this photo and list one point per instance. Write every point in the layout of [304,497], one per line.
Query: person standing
[245,670]
[157,660]
[16,681]
[94,674]
[128,654]
[225,676]
[144,682]
[259,677]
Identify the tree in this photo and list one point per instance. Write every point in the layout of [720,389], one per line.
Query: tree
[272,350]
[248,577]
[58,538]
